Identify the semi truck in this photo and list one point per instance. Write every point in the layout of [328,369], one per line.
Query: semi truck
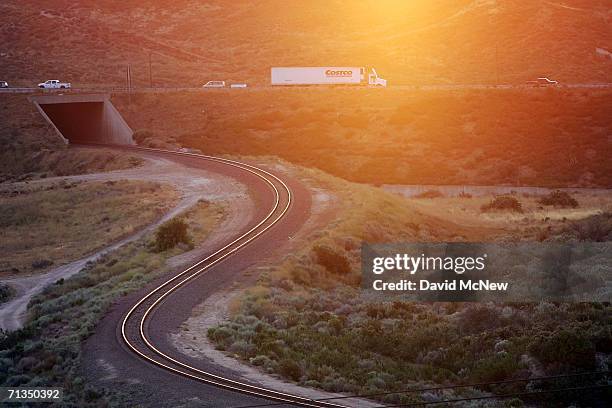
[326,76]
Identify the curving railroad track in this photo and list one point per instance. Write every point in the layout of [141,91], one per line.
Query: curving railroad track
[135,323]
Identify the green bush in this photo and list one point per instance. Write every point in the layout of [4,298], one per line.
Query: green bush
[595,228]
[559,199]
[222,336]
[479,318]
[170,234]
[41,263]
[503,203]
[6,292]
[47,350]
[336,341]
[290,369]
[497,368]
[566,350]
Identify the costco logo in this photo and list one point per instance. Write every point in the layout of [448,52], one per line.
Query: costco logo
[332,73]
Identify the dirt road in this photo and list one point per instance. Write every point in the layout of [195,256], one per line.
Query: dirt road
[192,183]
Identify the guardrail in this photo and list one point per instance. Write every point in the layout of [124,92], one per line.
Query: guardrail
[100,90]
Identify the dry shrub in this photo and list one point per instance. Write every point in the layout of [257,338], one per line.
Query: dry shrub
[290,369]
[6,292]
[503,203]
[141,135]
[170,234]
[559,198]
[596,228]
[332,261]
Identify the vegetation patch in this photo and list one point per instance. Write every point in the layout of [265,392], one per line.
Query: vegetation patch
[427,137]
[310,323]
[560,199]
[425,42]
[6,292]
[35,219]
[171,233]
[503,203]
[334,262]
[429,194]
[594,228]
[47,350]
[337,341]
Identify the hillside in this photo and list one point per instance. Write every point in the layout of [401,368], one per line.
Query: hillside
[553,137]
[443,41]
[31,148]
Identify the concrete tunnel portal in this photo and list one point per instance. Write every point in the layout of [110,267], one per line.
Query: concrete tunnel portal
[88,118]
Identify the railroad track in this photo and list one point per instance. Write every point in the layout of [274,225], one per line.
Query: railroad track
[134,323]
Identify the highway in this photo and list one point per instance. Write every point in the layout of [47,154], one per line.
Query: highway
[424,87]
[143,322]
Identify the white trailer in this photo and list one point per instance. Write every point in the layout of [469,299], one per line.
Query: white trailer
[325,76]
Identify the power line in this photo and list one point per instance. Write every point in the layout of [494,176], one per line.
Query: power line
[447,387]
[499,396]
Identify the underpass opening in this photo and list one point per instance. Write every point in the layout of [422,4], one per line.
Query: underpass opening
[78,122]
[84,118]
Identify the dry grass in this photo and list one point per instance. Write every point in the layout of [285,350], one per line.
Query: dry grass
[67,312]
[314,327]
[32,165]
[408,41]
[203,218]
[58,222]
[552,138]
[31,149]
[366,214]
[526,225]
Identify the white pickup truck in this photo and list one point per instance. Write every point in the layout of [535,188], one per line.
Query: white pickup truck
[54,84]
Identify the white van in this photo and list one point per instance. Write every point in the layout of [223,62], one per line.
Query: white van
[214,84]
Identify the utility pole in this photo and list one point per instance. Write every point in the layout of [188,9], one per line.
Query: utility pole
[496,63]
[129,85]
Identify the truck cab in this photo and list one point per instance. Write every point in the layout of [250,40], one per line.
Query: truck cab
[375,80]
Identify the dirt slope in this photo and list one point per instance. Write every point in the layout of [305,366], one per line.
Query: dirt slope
[421,41]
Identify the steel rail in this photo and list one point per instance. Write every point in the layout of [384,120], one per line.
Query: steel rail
[233,246]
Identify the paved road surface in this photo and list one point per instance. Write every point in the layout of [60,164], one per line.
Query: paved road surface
[426,87]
